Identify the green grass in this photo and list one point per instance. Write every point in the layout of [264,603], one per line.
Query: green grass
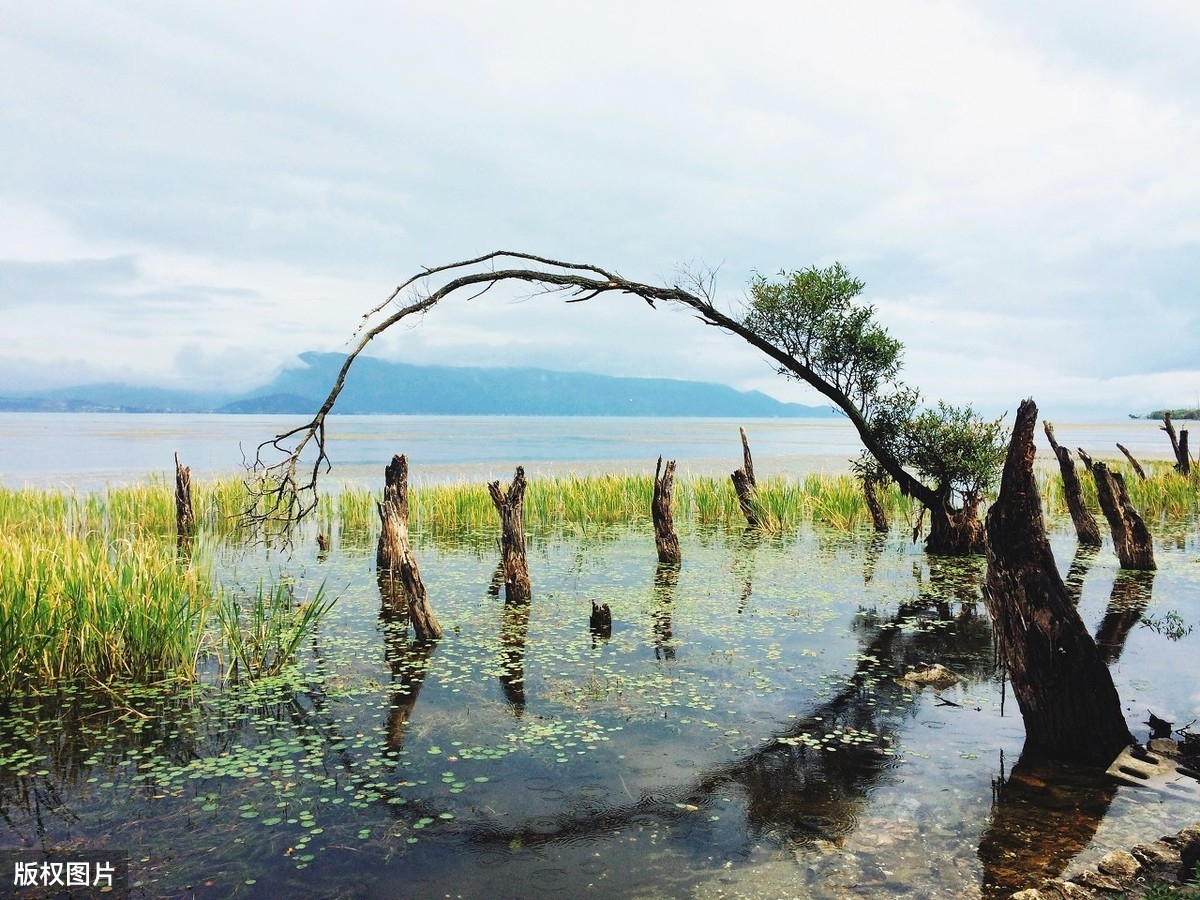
[1163,496]
[606,500]
[94,587]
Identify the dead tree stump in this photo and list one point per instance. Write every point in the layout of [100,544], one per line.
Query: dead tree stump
[401,586]
[1137,467]
[511,506]
[1086,528]
[185,517]
[1131,538]
[665,538]
[744,484]
[1179,445]
[1066,695]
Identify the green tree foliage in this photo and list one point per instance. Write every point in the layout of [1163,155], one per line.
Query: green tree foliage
[812,315]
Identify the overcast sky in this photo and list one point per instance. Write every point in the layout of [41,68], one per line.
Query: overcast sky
[195,193]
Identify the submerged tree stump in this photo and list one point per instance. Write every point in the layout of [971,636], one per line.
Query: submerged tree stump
[185,517]
[401,587]
[665,538]
[744,483]
[1086,528]
[956,532]
[1131,538]
[1066,695]
[511,506]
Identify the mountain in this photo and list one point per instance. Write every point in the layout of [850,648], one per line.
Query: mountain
[377,386]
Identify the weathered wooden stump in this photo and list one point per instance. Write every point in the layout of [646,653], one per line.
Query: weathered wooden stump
[185,517]
[744,483]
[1131,538]
[401,586]
[511,506]
[600,621]
[1179,446]
[665,538]
[1066,695]
[1086,528]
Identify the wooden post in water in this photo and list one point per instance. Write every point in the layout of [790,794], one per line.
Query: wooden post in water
[511,506]
[665,538]
[1068,702]
[401,587]
[1086,528]
[1131,538]
[744,483]
[185,518]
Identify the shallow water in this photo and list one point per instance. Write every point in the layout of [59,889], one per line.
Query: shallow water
[741,733]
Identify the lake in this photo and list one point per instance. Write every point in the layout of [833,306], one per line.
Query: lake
[87,451]
[741,733]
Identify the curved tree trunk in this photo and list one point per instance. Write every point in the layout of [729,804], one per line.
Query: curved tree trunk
[1066,695]
[1086,528]
[1131,538]
[665,538]
[511,506]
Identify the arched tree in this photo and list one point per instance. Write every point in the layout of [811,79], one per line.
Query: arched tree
[808,324]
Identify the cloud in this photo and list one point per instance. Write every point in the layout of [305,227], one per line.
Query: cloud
[1016,186]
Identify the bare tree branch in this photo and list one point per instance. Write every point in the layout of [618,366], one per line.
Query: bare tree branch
[287,490]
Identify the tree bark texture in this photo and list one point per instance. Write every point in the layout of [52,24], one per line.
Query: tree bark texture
[1066,695]
[956,532]
[665,538]
[1131,538]
[871,493]
[401,587]
[185,518]
[744,483]
[1137,466]
[511,506]
[1086,528]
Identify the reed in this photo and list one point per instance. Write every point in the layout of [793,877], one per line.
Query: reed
[260,634]
[96,588]
[451,510]
[1163,496]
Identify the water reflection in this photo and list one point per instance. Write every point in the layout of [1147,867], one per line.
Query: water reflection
[514,630]
[1131,594]
[666,579]
[1044,814]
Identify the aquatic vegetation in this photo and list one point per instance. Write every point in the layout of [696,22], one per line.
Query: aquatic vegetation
[98,587]
[260,635]
[97,607]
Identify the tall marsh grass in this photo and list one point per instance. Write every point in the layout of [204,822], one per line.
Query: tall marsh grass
[95,587]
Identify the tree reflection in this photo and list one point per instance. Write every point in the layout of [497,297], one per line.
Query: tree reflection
[514,628]
[1131,592]
[1044,813]
[666,578]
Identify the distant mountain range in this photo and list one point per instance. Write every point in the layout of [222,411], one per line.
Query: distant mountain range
[376,386]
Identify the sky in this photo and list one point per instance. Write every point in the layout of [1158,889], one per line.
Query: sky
[192,194]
